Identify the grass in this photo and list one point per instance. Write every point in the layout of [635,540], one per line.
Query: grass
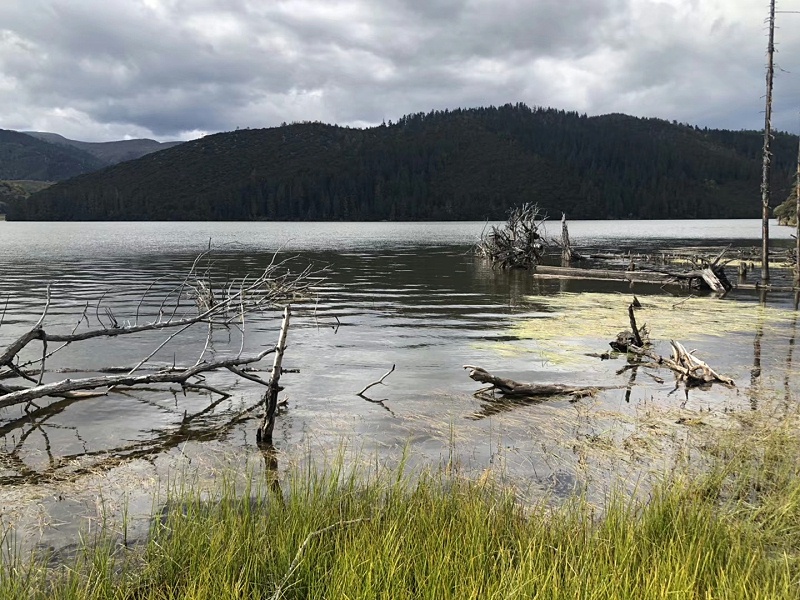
[731,532]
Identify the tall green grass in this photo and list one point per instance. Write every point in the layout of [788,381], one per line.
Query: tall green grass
[733,532]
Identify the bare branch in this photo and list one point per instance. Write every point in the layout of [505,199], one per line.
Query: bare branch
[378,382]
[89,383]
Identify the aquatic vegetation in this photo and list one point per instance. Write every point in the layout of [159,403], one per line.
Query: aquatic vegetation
[567,316]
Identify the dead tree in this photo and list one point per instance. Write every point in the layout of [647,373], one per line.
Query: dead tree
[199,300]
[706,273]
[686,365]
[513,389]
[264,432]
[567,253]
[766,166]
[797,221]
[518,244]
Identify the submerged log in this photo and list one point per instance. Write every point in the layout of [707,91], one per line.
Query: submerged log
[514,389]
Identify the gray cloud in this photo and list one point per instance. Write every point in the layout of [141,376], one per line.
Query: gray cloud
[93,69]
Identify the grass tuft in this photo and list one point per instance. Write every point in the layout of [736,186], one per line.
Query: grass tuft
[733,532]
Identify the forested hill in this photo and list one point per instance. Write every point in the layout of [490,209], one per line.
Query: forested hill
[25,157]
[460,164]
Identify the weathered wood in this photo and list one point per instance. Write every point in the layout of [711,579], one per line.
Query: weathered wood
[264,432]
[514,389]
[378,382]
[517,244]
[688,367]
[766,158]
[712,280]
[60,388]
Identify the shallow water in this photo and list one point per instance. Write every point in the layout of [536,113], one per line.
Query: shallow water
[404,294]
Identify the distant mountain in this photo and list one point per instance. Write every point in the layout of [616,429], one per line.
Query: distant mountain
[460,164]
[110,153]
[25,157]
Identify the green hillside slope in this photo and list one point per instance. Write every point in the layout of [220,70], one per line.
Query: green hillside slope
[461,164]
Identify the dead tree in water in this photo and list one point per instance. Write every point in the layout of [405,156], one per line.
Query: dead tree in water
[517,244]
[766,169]
[797,221]
[567,253]
[199,300]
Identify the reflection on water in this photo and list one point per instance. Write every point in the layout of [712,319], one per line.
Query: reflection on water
[411,295]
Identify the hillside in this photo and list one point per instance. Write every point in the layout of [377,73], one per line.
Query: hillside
[26,158]
[461,164]
[110,153]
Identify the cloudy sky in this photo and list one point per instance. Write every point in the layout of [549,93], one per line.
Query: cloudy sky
[101,70]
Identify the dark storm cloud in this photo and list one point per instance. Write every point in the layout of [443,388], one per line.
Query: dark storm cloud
[95,69]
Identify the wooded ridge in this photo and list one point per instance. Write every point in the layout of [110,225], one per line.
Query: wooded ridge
[459,164]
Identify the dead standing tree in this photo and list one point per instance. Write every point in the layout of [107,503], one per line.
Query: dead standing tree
[766,169]
[199,300]
[517,244]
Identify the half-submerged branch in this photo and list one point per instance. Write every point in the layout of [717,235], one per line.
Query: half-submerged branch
[513,389]
[198,299]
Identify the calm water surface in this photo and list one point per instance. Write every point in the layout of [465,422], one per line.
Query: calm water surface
[404,294]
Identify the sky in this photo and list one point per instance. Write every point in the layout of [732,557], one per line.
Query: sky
[100,70]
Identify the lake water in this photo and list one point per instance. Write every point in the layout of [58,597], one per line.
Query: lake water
[404,294]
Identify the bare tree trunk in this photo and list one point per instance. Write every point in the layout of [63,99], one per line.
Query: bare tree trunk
[766,169]
[566,249]
[797,221]
[264,433]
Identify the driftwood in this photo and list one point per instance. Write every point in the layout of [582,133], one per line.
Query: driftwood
[636,336]
[688,367]
[704,273]
[517,244]
[513,389]
[198,300]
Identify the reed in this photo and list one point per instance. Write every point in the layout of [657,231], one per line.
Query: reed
[732,532]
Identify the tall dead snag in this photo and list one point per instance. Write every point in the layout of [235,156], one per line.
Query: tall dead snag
[264,433]
[797,221]
[766,167]
[517,244]
[567,253]
[199,300]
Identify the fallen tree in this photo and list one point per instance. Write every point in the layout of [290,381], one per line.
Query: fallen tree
[518,244]
[199,300]
[513,389]
[689,369]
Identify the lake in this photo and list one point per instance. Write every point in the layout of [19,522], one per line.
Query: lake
[405,294]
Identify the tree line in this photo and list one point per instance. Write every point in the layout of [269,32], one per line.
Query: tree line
[442,165]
